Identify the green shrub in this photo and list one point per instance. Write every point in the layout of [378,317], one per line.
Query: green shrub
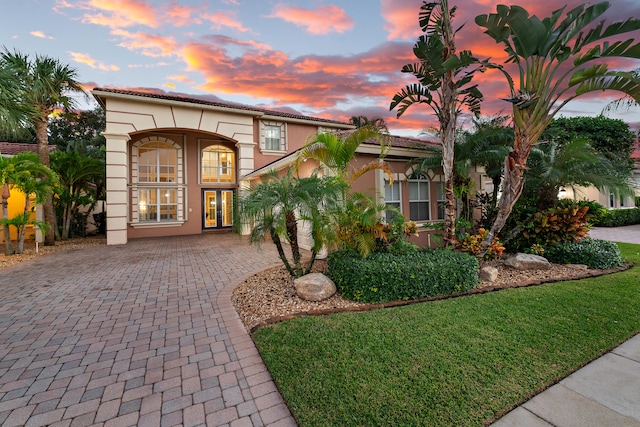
[619,217]
[567,221]
[593,253]
[383,277]
[596,210]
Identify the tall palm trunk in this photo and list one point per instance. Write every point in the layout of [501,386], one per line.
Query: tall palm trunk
[8,248]
[43,153]
[448,126]
[512,184]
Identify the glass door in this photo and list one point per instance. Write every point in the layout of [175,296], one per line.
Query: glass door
[218,208]
[210,209]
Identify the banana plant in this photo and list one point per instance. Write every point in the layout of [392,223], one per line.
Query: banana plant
[445,85]
[558,59]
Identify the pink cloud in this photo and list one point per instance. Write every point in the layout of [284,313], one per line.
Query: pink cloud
[180,16]
[41,35]
[226,19]
[401,18]
[85,58]
[121,13]
[147,44]
[323,20]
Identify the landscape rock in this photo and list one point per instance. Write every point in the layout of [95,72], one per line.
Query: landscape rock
[489,274]
[522,261]
[314,287]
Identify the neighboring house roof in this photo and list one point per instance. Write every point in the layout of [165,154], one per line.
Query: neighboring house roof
[13,148]
[100,92]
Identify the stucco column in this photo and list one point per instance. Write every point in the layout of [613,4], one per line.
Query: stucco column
[117,187]
[245,157]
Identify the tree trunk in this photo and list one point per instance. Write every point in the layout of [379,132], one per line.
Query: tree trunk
[43,153]
[448,146]
[276,241]
[448,119]
[292,235]
[512,185]
[8,248]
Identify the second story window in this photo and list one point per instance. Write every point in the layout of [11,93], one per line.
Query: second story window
[273,136]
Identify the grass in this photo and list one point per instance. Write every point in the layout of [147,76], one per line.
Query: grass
[461,361]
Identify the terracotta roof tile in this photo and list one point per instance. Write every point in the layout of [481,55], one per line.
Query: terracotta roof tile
[13,148]
[195,100]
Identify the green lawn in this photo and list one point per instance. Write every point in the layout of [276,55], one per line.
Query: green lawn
[455,362]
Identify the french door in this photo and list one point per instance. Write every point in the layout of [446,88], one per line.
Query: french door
[218,208]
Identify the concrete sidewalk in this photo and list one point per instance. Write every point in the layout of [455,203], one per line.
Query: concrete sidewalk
[606,392]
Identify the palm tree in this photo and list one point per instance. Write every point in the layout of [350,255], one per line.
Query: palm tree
[77,175]
[444,85]
[24,172]
[336,151]
[12,111]
[44,85]
[361,121]
[573,163]
[554,60]
[274,207]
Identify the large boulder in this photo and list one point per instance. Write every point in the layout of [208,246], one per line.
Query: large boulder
[522,261]
[314,287]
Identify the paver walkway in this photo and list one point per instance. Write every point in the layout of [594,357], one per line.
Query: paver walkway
[139,334]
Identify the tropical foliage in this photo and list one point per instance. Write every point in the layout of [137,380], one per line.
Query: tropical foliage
[275,206]
[336,151]
[558,59]
[25,173]
[42,84]
[445,85]
[81,179]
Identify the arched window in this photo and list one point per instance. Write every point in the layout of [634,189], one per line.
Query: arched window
[217,164]
[157,162]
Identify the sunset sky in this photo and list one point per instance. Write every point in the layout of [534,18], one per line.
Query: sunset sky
[327,58]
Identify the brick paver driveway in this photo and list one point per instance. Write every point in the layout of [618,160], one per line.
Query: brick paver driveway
[138,334]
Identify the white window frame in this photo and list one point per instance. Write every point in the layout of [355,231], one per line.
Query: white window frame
[420,182]
[221,166]
[265,125]
[396,199]
[175,188]
[441,200]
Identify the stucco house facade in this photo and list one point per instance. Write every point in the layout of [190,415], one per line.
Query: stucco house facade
[174,165]
[17,199]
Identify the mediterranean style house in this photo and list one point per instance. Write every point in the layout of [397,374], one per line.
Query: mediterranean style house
[175,164]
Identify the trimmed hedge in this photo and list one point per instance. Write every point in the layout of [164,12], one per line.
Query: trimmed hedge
[593,253]
[619,217]
[383,277]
